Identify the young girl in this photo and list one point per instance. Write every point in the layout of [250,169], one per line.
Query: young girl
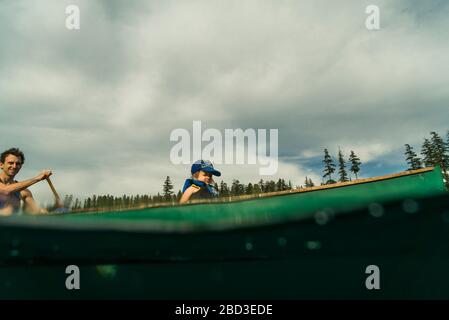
[200,185]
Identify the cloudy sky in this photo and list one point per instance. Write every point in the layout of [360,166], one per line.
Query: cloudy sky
[97,105]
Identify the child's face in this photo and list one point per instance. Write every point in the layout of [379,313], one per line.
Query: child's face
[205,177]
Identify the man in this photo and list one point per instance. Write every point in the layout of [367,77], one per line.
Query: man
[13,192]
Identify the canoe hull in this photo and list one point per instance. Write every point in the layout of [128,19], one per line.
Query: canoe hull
[288,260]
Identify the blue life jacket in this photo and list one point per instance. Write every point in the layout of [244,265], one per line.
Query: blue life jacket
[206,190]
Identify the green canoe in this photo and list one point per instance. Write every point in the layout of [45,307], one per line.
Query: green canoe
[309,243]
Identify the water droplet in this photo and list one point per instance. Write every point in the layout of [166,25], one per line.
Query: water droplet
[313,245]
[216,275]
[107,271]
[14,253]
[410,206]
[321,217]
[249,246]
[282,242]
[445,216]
[15,243]
[376,210]
[330,212]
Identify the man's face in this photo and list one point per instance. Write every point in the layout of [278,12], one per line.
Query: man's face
[12,165]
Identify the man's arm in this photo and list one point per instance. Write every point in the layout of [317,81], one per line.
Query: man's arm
[6,211]
[29,205]
[19,186]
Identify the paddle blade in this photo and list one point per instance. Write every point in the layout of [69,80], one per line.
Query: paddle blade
[61,210]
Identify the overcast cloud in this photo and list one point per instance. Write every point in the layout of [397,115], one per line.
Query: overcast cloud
[97,105]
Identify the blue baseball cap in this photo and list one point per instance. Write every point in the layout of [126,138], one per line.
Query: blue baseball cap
[206,166]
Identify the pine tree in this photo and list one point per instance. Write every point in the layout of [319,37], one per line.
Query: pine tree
[257,189]
[438,148]
[446,160]
[412,160]
[309,183]
[279,185]
[439,151]
[249,188]
[270,186]
[262,185]
[224,190]
[446,152]
[237,188]
[355,164]
[427,152]
[342,167]
[168,189]
[329,166]
[88,203]
[68,199]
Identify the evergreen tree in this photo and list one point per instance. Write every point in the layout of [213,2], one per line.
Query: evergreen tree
[412,160]
[311,184]
[68,199]
[262,185]
[88,203]
[446,160]
[77,204]
[447,141]
[308,183]
[257,189]
[284,185]
[446,152]
[439,149]
[270,186]
[342,167]
[329,166]
[280,185]
[224,190]
[237,188]
[249,188]
[168,189]
[427,152]
[355,164]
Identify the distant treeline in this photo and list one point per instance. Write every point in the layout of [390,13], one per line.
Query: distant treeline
[113,202]
[330,167]
[434,151]
[110,202]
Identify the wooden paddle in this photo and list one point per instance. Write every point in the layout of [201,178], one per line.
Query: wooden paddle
[58,201]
